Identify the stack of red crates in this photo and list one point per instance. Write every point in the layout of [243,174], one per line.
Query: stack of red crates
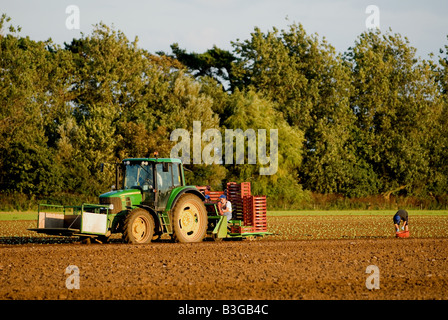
[248,208]
[255,211]
[235,194]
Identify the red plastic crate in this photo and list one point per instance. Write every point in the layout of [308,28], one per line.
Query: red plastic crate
[255,212]
[402,234]
[235,194]
[238,189]
[242,229]
[214,195]
[201,188]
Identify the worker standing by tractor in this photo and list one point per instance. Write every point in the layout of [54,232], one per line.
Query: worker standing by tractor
[398,217]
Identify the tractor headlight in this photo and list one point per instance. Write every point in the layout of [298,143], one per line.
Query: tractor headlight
[111,206]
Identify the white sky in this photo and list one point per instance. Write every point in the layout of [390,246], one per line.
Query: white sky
[197,25]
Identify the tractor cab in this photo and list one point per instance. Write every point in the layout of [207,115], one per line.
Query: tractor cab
[154,178]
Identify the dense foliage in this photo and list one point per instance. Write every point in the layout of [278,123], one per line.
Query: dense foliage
[366,122]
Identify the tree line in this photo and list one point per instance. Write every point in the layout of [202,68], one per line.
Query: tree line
[369,121]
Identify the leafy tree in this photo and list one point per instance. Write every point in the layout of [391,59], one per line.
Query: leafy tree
[32,96]
[251,111]
[128,101]
[107,66]
[438,146]
[215,63]
[396,103]
[311,88]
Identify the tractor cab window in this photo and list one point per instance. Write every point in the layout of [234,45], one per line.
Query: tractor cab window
[164,183]
[139,176]
[176,175]
[164,177]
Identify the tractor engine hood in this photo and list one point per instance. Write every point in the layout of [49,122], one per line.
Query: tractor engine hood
[119,200]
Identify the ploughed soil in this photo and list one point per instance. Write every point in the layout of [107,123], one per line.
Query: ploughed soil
[413,268]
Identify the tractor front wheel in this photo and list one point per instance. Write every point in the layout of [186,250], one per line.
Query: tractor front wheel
[189,219]
[138,227]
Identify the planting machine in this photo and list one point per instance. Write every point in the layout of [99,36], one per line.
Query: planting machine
[153,201]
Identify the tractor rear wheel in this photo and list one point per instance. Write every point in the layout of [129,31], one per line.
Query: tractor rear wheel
[138,227]
[189,219]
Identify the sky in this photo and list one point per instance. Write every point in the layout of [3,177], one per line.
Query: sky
[197,25]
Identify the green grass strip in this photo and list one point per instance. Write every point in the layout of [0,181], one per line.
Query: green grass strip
[6,216]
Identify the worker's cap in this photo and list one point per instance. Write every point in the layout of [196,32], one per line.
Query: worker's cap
[222,197]
[207,196]
[397,219]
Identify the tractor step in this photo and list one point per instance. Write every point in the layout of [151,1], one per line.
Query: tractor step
[165,222]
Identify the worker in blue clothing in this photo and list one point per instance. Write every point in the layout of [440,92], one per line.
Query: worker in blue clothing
[401,215]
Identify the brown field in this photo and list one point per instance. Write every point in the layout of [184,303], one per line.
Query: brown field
[308,257]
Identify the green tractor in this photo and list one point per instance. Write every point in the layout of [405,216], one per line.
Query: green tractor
[151,200]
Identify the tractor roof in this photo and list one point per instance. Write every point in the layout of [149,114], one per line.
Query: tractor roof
[174,160]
